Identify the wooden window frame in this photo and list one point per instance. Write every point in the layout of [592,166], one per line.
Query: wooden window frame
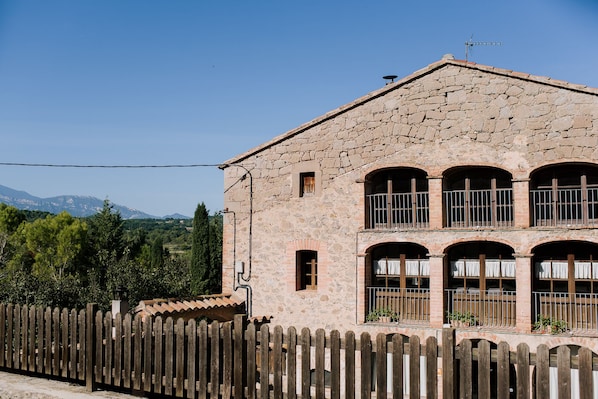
[306,266]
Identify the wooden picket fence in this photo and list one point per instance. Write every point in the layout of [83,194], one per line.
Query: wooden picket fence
[240,359]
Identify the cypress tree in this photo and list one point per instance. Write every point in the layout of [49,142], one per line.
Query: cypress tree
[200,252]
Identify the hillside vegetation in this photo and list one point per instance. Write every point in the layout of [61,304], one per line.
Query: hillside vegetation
[60,260]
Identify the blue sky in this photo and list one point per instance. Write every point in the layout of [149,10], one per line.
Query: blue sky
[146,82]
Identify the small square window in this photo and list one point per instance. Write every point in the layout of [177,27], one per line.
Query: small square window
[308,184]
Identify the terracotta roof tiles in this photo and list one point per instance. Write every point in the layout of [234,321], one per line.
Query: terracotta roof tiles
[212,306]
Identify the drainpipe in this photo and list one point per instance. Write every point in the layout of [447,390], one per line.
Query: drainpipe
[239,276]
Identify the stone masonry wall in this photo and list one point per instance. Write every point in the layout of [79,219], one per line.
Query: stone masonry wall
[447,117]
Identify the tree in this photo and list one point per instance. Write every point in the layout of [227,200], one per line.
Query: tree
[106,233]
[157,253]
[10,220]
[200,252]
[56,245]
[215,275]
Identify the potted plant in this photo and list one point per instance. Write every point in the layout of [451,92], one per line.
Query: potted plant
[462,319]
[382,315]
[548,325]
[543,325]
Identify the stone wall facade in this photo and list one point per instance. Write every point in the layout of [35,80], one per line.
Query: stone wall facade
[447,117]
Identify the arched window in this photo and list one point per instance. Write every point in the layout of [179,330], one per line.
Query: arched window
[397,198]
[478,197]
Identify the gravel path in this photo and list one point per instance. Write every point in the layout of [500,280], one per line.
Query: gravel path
[16,386]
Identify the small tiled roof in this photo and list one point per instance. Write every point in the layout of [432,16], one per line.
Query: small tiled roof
[215,307]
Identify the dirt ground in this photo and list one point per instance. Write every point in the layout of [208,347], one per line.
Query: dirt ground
[16,386]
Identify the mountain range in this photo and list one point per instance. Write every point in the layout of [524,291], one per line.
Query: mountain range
[78,206]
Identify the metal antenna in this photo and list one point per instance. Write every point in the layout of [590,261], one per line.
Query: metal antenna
[471,43]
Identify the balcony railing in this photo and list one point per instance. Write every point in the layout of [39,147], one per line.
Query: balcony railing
[479,208]
[409,304]
[400,210]
[490,308]
[579,311]
[565,207]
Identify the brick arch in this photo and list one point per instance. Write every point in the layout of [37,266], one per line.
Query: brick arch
[495,240]
[499,166]
[562,162]
[306,244]
[373,169]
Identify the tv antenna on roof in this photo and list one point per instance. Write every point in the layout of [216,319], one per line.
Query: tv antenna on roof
[471,43]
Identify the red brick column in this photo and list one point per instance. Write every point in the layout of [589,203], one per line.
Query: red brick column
[523,277]
[436,206]
[361,300]
[521,217]
[437,297]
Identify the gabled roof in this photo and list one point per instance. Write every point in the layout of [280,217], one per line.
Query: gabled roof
[215,307]
[445,61]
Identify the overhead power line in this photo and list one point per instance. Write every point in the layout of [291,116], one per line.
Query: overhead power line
[48,165]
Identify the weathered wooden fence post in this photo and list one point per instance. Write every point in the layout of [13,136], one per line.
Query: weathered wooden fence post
[90,345]
[240,355]
[448,363]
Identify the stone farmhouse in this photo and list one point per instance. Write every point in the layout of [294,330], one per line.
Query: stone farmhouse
[461,194]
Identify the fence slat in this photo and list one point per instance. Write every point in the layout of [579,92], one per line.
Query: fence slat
[180,357]
[319,357]
[431,366]
[32,337]
[366,364]
[64,343]
[9,336]
[90,344]
[264,361]
[73,324]
[108,348]
[503,371]
[586,380]
[147,355]
[397,366]
[138,352]
[99,347]
[127,350]
[523,361]
[118,349]
[203,359]
[350,347]
[158,359]
[563,359]
[484,369]
[17,337]
[240,357]
[465,370]
[168,355]
[291,365]
[335,365]
[56,340]
[277,362]
[192,359]
[381,366]
[227,360]
[448,363]
[414,367]
[2,333]
[81,358]
[542,372]
[215,359]
[305,363]
[24,336]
